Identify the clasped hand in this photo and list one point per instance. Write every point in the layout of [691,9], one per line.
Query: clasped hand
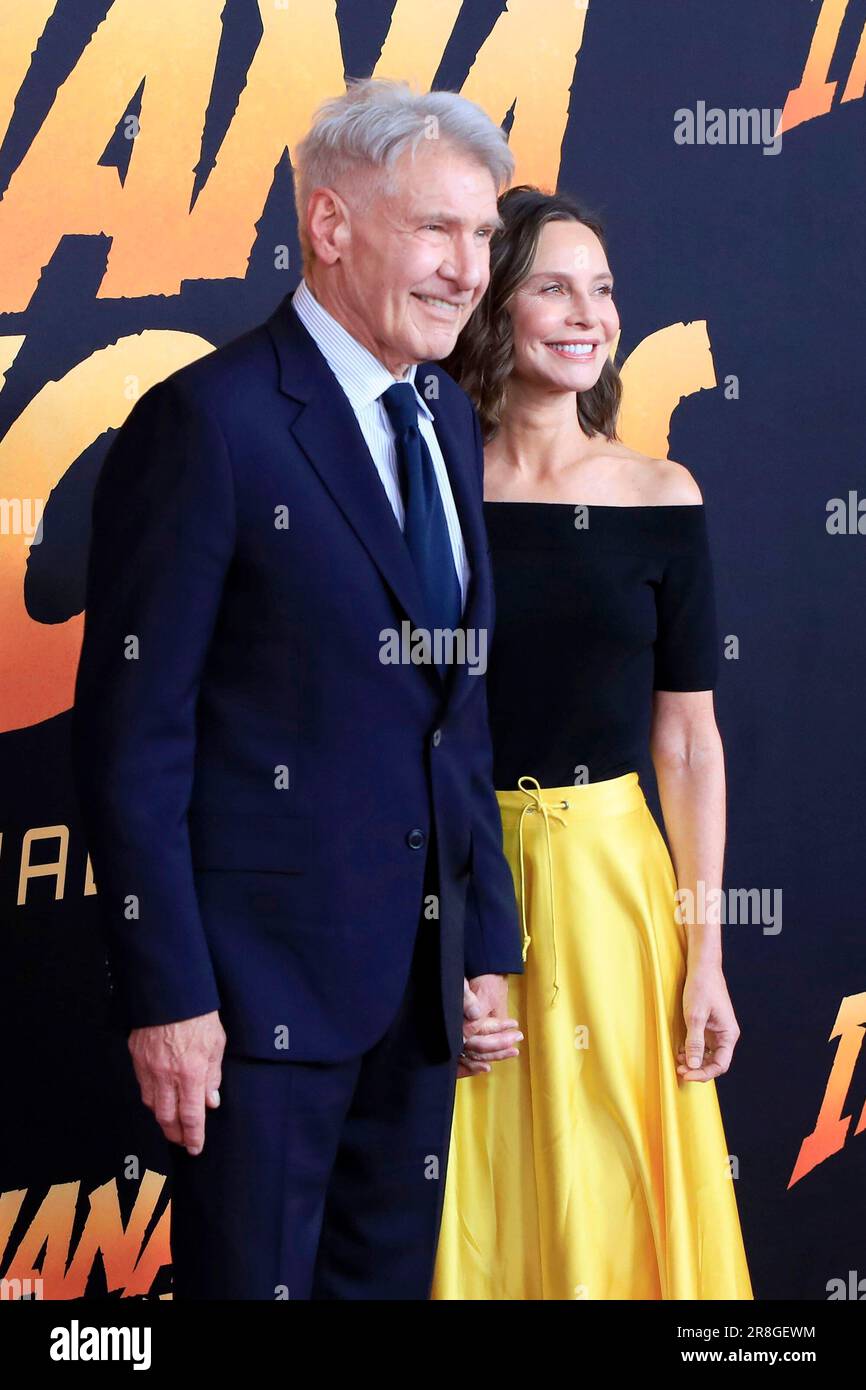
[488,1034]
[179,1065]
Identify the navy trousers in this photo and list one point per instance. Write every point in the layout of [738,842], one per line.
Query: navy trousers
[324,1180]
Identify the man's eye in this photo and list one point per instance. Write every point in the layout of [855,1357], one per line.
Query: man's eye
[606,289]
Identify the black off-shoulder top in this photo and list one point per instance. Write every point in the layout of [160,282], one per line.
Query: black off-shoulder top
[596,607]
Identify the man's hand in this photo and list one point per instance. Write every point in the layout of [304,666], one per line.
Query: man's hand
[179,1070]
[489,1036]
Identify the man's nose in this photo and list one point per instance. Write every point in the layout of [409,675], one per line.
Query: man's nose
[466,262]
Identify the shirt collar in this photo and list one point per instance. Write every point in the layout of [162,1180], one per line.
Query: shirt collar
[362,376]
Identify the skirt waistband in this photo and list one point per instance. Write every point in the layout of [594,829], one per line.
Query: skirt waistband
[614,797]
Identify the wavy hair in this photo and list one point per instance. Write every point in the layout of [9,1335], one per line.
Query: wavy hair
[482,358]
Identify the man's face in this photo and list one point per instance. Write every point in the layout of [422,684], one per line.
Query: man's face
[412,267]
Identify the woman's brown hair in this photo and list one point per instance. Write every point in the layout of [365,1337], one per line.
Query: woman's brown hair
[482,357]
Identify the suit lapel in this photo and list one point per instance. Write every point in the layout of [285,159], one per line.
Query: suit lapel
[327,430]
[474,538]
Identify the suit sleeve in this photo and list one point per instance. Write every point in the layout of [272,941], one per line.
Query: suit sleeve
[492,941]
[163,534]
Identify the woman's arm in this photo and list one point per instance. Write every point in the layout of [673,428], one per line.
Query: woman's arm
[689,764]
[690,770]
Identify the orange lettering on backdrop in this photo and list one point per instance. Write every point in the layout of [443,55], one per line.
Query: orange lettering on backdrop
[21,26]
[129,1268]
[814,96]
[831,1128]
[127,1265]
[531,37]
[60,188]
[666,366]
[38,660]
[48,198]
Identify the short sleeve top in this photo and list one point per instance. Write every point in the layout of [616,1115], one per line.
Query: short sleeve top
[596,607]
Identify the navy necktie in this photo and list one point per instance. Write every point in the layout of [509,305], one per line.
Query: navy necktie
[426,530]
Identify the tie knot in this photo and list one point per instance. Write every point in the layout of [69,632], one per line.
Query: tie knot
[401,404]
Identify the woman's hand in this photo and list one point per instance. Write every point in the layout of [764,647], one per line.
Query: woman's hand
[712,1028]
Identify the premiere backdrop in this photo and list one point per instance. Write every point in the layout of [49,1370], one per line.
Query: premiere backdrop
[147,216]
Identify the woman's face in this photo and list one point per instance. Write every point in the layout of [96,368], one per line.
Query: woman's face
[562,313]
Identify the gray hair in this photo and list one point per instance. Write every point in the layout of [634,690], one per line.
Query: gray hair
[367,129]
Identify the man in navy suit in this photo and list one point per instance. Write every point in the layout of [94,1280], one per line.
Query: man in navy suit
[294,833]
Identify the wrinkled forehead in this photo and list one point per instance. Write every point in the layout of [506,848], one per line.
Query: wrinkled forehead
[443,177]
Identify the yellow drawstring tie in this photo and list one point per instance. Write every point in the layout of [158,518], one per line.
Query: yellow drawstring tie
[534,804]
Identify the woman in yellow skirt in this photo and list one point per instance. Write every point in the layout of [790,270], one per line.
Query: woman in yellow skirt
[594,1163]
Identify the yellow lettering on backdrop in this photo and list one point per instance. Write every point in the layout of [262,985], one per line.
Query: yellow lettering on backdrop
[669,364]
[55,868]
[9,349]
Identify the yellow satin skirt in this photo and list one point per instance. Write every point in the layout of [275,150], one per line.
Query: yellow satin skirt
[585,1168]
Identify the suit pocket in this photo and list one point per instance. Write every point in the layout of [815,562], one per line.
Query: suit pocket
[247,840]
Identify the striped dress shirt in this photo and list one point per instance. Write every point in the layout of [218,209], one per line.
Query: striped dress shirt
[363,378]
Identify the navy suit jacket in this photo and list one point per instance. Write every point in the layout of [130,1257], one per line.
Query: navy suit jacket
[252,777]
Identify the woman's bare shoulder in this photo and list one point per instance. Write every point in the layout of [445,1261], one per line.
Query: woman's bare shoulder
[662,482]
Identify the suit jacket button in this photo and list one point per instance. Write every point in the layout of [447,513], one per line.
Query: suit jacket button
[415,839]
[437,737]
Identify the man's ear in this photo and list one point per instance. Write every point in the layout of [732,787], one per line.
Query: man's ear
[327,224]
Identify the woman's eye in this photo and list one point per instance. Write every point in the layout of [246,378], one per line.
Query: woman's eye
[605,289]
